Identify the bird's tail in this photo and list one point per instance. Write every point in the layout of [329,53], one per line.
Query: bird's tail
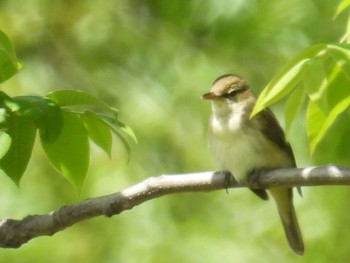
[284,200]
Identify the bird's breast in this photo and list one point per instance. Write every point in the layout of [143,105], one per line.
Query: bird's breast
[240,147]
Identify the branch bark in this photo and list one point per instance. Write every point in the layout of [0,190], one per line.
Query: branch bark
[14,233]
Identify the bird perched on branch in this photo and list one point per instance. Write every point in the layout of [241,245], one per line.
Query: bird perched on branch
[244,145]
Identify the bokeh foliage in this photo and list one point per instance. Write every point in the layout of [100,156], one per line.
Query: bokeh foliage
[152,60]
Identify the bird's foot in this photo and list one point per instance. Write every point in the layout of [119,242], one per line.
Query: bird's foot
[228,180]
[253,180]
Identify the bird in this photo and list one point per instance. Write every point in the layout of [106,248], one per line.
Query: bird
[245,145]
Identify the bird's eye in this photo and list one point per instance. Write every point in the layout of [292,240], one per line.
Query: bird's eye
[234,91]
[231,93]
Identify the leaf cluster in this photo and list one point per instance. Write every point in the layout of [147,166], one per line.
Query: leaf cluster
[319,75]
[64,119]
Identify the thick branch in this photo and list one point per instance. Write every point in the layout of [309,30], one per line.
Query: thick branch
[14,233]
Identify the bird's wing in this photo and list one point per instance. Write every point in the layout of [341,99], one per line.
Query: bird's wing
[273,131]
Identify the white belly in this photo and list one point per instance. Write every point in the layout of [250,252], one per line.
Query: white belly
[240,151]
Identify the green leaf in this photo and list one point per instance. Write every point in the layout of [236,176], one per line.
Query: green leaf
[315,119]
[6,45]
[341,55]
[45,113]
[315,83]
[342,6]
[69,153]
[334,147]
[5,143]
[68,98]
[80,102]
[280,87]
[98,131]
[118,126]
[293,105]
[338,87]
[287,78]
[22,132]
[121,138]
[5,139]
[9,65]
[318,124]
[124,127]
[4,115]
[6,102]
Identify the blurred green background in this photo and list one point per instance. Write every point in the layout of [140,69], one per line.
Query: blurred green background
[152,60]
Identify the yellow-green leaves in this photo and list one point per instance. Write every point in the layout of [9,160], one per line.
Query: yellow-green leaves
[280,86]
[5,143]
[70,153]
[45,113]
[21,130]
[85,116]
[293,105]
[322,74]
[9,64]
[20,118]
[91,109]
[99,131]
[65,119]
[342,6]
[288,78]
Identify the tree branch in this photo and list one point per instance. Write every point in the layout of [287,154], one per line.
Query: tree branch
[14,233]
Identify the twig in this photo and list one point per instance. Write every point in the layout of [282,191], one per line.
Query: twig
[14,233]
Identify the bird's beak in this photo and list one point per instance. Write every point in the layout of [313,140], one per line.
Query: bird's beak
[210,96]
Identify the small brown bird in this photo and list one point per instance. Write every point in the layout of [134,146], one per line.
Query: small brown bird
[244,145]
